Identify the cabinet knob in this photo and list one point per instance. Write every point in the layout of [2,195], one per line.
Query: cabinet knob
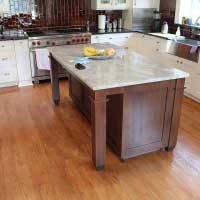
[125,47]
[110,38]
[158,42]
[157,49]
[2,46]
[177,61]
[181,62]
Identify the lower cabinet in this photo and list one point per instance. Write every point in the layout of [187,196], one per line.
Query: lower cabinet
[138,121]
[23,62]
[120,39]
[8,77]
[80,96]
[8,70]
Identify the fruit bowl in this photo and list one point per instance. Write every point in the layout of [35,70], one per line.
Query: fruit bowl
[99,54]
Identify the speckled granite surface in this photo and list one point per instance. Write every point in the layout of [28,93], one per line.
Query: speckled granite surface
[127,68]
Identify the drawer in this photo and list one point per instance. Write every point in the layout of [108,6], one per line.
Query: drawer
[21,43]
[6,46]
[7,61]
[8,75]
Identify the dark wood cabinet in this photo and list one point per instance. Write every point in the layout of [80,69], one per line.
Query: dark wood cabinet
[139,120]
[80,96]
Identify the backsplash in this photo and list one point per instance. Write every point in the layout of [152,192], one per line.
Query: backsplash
[143,19]
[57,13]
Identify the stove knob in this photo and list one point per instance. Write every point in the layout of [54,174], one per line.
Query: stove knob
[73,41]
[86,39]
[39,43]
[82,40]
[68,42]
[53,43]
[78,40]
[33,43]
[48,43]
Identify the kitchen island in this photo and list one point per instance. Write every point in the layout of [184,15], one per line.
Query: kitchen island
[133,104]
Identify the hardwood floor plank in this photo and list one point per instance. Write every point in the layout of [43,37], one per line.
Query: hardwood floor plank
[45,154]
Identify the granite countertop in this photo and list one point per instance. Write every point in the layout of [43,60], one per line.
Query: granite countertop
[127,68]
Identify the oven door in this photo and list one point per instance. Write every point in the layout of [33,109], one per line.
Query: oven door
[37,74]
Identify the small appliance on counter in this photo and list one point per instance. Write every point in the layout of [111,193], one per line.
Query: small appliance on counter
[156,21]
[165,28]
[101,22]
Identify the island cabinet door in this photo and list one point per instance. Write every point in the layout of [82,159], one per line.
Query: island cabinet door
[139,121]
[81,96]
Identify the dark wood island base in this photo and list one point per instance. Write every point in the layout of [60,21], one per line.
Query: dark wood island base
[133,120]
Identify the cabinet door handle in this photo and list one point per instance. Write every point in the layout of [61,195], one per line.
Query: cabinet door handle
[110,38]
[3,59]
[127,37]
[7,74]
[157,49]
[158,42]
[125,47]
[143,36]
[181,62]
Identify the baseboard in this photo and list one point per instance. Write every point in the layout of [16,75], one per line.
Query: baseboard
[192,97]
[25,83]
[8,84]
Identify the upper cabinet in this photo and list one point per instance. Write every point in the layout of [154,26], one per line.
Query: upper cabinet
[110,4]
[146,3]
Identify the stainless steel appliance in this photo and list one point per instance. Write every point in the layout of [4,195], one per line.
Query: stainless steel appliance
[52,38]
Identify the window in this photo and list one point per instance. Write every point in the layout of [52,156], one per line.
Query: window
[19,6]
[188,9]
[195,10]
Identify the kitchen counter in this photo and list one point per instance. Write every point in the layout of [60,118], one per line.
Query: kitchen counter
[127,68]
[133,105]
[5,38]
[13,35]
[180,39]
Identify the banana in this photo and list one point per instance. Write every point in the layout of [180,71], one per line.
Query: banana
[89,51]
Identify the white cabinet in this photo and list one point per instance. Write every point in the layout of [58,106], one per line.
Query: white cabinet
[110,4]
[146,3]
[23,62]
[120,39]
[8,70]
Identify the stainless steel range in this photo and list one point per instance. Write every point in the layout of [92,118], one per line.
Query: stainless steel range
[48,39]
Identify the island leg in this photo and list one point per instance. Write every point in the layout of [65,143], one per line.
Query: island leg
[179,91]
[55,81]
[98,119]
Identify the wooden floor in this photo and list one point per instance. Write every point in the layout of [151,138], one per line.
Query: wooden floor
[45,154]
